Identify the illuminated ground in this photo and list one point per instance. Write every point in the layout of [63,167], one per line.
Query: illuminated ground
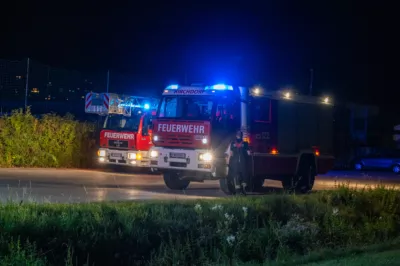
[81,185]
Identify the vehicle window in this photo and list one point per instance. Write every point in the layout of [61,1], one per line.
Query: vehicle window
[227,115]
[186,107]
[119,122]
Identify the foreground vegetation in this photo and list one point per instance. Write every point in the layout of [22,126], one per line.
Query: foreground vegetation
[48,141]
[273,230]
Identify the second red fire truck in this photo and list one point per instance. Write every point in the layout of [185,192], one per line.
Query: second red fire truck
[125,137]
[290,136]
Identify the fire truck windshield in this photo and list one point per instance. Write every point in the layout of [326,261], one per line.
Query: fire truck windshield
[122,123]
[181,107]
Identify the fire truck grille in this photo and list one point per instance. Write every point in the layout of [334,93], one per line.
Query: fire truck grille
[118,143]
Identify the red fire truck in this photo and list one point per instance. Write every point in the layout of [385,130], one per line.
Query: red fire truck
[125,137]
[289,135]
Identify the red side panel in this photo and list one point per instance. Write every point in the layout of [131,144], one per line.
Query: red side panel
[117,140]
[325,164]
[181,134]
[265,165]
[263,134]
[143,143]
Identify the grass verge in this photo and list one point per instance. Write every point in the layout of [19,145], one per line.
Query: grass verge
[270,230]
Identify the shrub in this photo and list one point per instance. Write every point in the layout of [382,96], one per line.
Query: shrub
[49,141]
[275,228]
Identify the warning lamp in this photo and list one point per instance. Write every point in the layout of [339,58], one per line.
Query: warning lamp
[246,139]
[274,151]
[316,150]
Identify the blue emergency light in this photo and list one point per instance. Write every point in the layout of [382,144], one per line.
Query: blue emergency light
[146,106]
[131,105]
[172,87]
[220,87]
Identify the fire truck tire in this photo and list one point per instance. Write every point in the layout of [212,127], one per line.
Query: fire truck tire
[227,186]
[173,181]
[256,185]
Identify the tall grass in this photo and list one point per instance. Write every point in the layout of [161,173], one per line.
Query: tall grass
[49,141]
[276,229]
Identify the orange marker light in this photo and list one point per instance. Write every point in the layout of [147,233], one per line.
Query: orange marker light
[317,152]
[274,151]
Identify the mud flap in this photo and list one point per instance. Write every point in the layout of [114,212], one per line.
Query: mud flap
[303,181]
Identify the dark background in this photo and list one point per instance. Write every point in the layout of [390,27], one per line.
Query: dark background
[274,43]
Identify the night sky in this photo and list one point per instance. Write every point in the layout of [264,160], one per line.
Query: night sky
[237,42]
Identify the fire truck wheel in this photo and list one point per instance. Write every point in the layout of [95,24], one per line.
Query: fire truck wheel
[227,186]
[172,181]
[257,185]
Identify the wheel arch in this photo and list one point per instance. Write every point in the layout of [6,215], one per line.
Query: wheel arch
[306,157]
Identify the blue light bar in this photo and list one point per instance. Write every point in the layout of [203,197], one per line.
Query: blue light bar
[172,87]
[147,106]
[130,105]
[220,87]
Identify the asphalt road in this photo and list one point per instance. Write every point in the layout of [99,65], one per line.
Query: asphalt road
[61,185]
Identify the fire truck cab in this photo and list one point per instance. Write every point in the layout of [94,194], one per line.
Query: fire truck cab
[125,137]
[290,136]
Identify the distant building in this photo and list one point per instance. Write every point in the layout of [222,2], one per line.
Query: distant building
[12,79]
[46,85]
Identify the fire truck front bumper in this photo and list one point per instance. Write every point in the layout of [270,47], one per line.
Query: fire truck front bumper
[128,158]
[186,160]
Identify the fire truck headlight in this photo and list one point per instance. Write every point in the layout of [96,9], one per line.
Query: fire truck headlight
[154,154]
[205,141]
[101,153]
[206,157]
[132,156]
[155,138]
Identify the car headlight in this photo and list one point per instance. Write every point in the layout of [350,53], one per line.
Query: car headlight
[132,156]
[101,153]
[154,154]
[206,157]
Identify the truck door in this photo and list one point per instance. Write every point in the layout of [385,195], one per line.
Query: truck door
[144,134]
[262,129]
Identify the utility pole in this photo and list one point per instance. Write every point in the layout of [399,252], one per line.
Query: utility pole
[108,79]
[27,84]
[311,81]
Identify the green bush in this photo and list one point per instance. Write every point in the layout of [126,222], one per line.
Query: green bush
[49,141]
[275,229]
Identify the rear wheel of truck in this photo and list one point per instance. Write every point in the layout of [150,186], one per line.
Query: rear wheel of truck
[227,186]
[173,181]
